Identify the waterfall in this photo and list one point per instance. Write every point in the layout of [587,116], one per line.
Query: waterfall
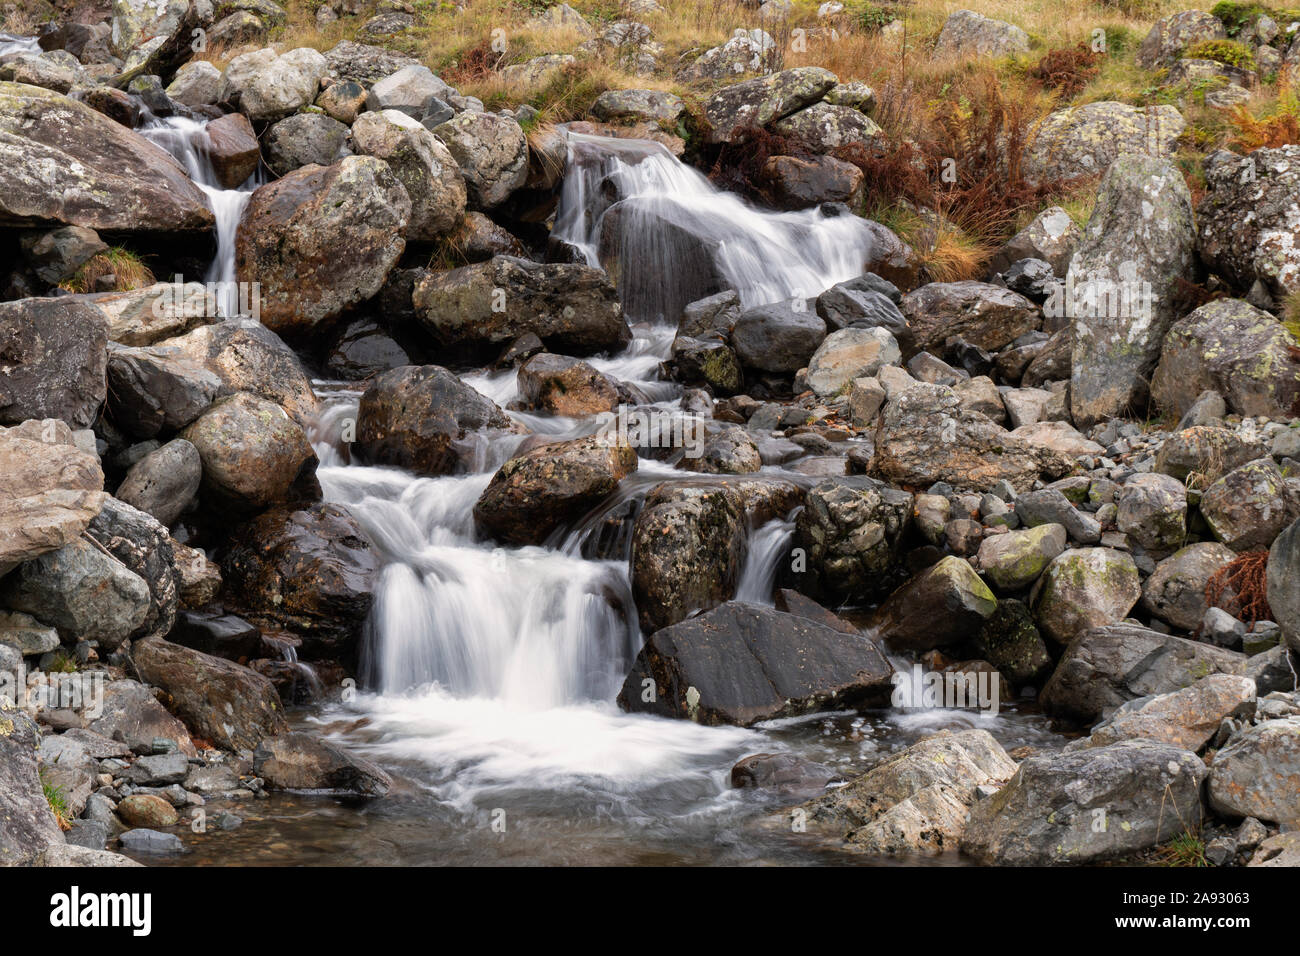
[669,236]
[11,44]
[186,139]
[768,545]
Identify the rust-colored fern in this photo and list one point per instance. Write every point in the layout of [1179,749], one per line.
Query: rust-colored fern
[1240,587]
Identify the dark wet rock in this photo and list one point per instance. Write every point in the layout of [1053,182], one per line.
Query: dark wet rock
[1011,643]
[788,775]
[778,338]
[309,570]
[847,538]
[233,149]
[321,239]
[221,635]
[1107,666]
[741,663]
[62,163]
[728,450]
[229,705]
[549,486]
[479,239]
[572,308]
[566,386]
[296,761]
[54,361]
[254,455]
[1089,805]
[688,546]
[707,362]
[419,417]
[799,183]
[363,350]
[945,604]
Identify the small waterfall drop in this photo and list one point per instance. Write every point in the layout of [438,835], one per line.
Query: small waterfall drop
[768,545]
[186,139]
[11,44]
[669,236]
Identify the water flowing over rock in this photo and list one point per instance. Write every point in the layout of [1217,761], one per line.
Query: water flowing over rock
[1120,289]
[322,239]
[551,485]
[741,663]
[1108,666]
[1143,793]
[419,417]
[572,308]
[54,361]
[1239,351]
[62,163]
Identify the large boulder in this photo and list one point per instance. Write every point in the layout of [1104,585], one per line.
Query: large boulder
[1108,666]
[847,538]
[309,570]
[1152,510]
[26,824]
[155,36]
[321,239]
[916,800]
[565,386]
[945,604]
[131,714]
[550,486]
[688,547]
[1083,589]
[848,354]
[419,416]
[1247,508]
[254,455]
[1250,226]
[1121,288]
[157,389]
[780,338]
[421,163]
[984,315]
[296,761]
[55,361]
[797,183]
[266,87]
[50,489]
[823,127]
[925,435]
[231,146]
[492,153]
[62,163]
[83,591]
[304,139]
[1169,37]
[363,63]
[1052,237]
[144,547]
[967,33]
[1089,805]
[758,102]
[572,308]
[1239,351]
[1255,774]
[154,312]
[223,702]
[1187,718]
[165,482]
[1015,560]
[1205,453]
[1175,591]
[742,663]
[1085,140]
[1283,595]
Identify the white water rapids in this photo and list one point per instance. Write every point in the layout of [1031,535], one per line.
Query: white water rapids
[491,672]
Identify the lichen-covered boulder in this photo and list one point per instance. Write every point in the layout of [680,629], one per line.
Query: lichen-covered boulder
[492,153]
[764,100]
[1205,453]
[421,163]
[304,139]
[1169,37]
[967,33]
[62,163]
[823,127]
[638,106]
[984,315]
[1083,589]
[945,604]
[1247,508]
[1239,351]
[266,86]
[1052,236]
[321,239]
[1283,595]
[688,545]
[1015,560]
[1175,591]
[1255,774]
[1250,226]
[1153,511]
[1085,140]
[1121,288]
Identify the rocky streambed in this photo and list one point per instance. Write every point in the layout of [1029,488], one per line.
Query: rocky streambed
[491,497]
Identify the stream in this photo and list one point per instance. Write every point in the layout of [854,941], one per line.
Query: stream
[489,673]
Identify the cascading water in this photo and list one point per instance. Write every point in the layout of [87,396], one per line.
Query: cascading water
[186,140]
[11,44]
[491,671]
